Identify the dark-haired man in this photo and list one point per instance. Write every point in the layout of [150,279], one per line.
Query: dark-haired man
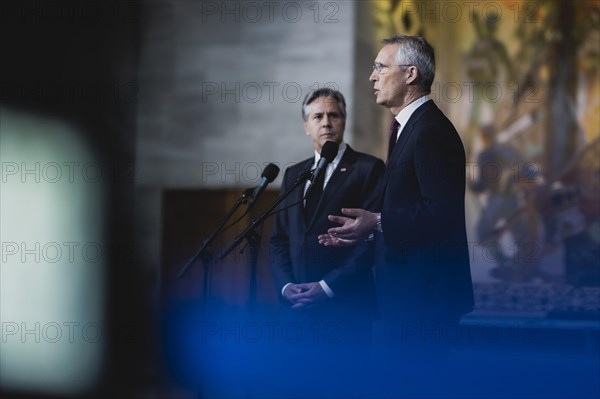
[332,288]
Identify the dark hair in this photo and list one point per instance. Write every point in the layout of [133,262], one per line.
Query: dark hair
[324,92]
[415,50]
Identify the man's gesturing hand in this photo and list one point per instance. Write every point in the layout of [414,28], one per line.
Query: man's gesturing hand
[357,227]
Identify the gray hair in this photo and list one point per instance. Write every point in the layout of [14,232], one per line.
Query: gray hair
[415,50]
[323,92]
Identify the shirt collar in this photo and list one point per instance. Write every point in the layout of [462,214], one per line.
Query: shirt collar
[337,158]
[404,115]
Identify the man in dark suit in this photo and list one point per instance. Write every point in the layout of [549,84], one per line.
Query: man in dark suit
[422,269]
[320,284]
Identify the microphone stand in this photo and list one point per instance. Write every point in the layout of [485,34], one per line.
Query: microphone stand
[254,239]
[205,252]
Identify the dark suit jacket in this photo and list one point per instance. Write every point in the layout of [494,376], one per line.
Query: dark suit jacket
[422,268]
[297,256]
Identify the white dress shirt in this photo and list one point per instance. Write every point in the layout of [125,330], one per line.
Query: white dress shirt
[328,172]
[329,169]
[404,115]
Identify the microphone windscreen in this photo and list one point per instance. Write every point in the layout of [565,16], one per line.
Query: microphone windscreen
[270,172]
[329,150]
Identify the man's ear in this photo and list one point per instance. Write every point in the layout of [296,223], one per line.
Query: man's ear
[413,75]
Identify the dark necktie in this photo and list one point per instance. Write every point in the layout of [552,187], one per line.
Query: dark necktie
[393,137]
[313,197]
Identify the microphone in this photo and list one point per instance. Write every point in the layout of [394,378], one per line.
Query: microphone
[269,174]
[328,153]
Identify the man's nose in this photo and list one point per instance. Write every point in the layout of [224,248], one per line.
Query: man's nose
[373,76]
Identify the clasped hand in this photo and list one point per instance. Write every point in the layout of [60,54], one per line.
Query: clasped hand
[306,295]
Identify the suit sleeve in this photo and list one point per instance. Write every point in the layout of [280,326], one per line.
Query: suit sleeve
[439,167]
[341,279]
[279,245]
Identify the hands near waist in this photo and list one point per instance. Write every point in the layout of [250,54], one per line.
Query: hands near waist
[357,227]
[305,295]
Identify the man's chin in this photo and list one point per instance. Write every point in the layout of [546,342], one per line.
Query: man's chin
[330,138]
[380,101]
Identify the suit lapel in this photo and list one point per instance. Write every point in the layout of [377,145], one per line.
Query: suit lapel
[402,140]
[297,197]
[407,131]
[340,173]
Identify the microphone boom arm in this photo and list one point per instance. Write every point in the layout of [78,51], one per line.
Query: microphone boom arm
[209,240]
[261,218]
